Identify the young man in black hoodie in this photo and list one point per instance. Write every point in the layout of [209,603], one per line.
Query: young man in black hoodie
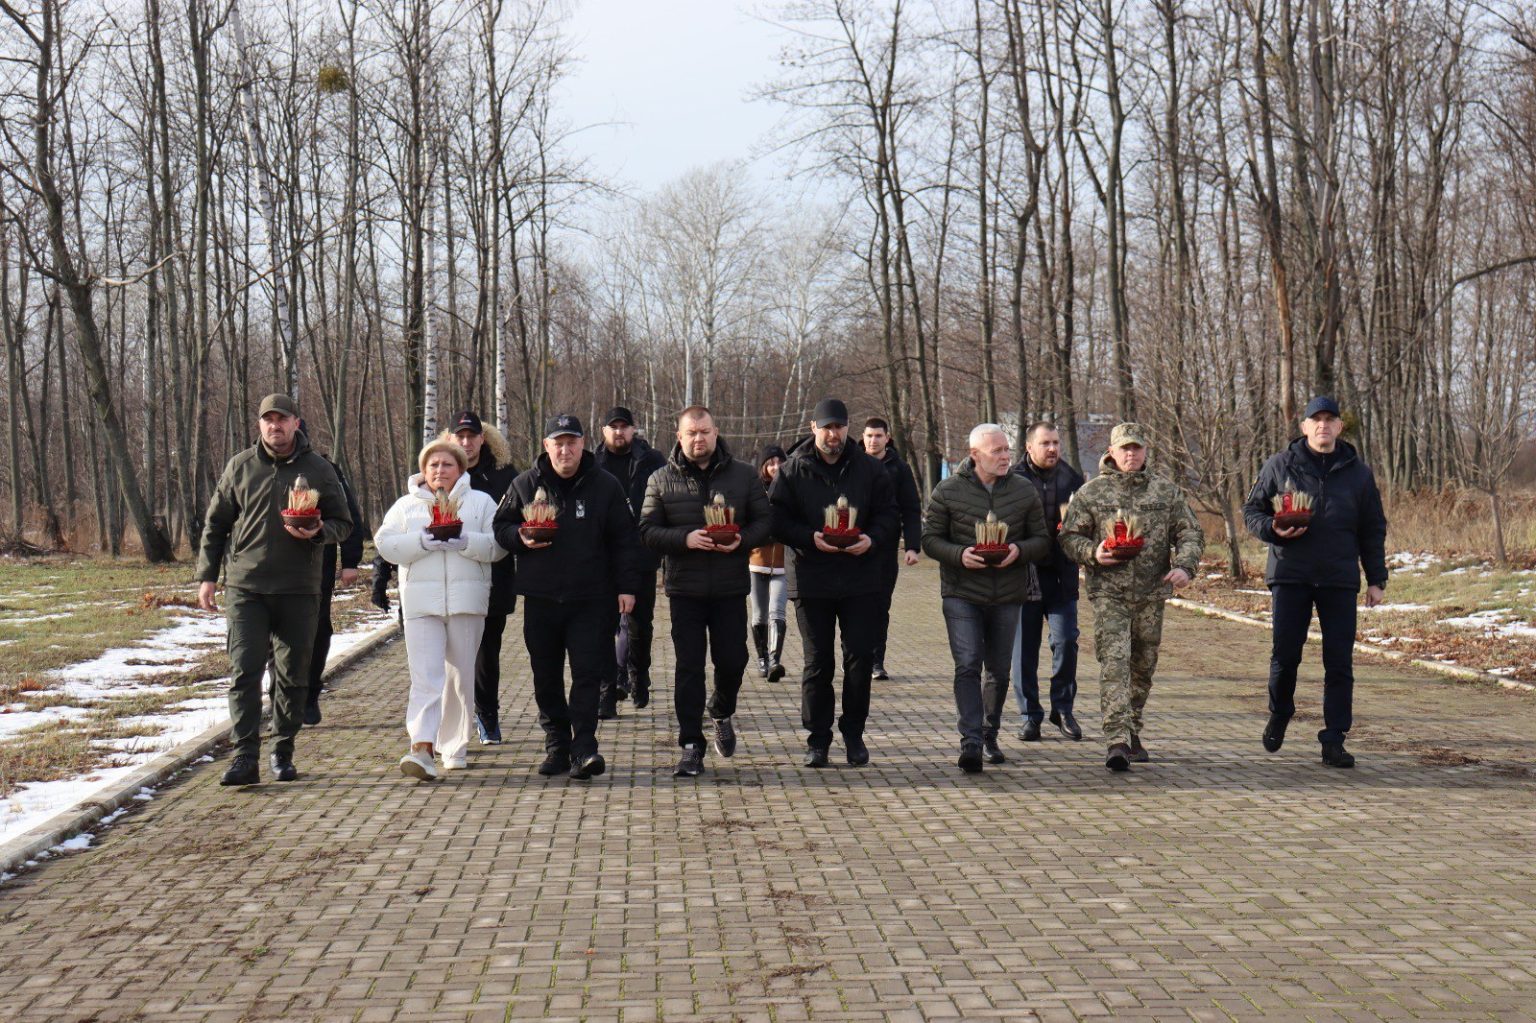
[626,456]
[877,445]
[570,587]
[1318,565]
[834,588]
[491,471]
[707,576]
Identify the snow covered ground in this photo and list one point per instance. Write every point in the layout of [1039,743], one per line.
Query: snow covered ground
[125,671]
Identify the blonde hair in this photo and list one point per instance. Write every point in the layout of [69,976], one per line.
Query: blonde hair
[438,446]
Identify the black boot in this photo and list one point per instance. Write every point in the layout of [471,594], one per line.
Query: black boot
[760,640]
[640,688]
[776,662]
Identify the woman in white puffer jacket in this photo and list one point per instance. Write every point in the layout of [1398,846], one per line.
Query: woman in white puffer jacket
[445,588]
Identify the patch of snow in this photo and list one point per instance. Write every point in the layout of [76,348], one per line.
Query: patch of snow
[162,653]
[1396,607]
[12,722]
[1254,593]
[1499,621]
[1412,561]
[28,618]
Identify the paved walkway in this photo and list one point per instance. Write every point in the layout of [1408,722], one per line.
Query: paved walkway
[1218,883]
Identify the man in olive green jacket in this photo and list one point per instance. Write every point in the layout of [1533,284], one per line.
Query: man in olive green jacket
[271,580]
[1128,595]
[981,600]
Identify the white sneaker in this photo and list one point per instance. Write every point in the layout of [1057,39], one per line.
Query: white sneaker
[456,763]
[418,766]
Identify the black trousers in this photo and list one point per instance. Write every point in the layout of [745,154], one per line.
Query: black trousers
[583,631]
[323,633]
[1292,615]
[819,619]
[488,669]
[637,646]
[889,574]
[721,627]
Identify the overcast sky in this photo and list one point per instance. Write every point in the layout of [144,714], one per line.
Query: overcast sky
[667,84]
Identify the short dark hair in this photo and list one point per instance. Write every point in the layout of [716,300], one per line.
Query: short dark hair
[1037,426]
[876,423]
[695,412]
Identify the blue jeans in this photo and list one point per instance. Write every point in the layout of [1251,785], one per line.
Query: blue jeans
[981,641]
[1062,616]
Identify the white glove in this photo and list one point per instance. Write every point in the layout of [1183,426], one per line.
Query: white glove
[430,544]
[458,543]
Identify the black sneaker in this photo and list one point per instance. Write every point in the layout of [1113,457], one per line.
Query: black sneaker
[282,767]
[1119,758]
[641,690]
[589,766]
[1274,732]
[816,756]
[858,753]
[312,715]
[725,737]
[1067,724]
[489,729]
[992,751]
[880,673]
[970,758]
[692,763]
[1030,732]
[608,707]
[556,761]
[1335,755]
[242,771]
[1139,754]
[775,670]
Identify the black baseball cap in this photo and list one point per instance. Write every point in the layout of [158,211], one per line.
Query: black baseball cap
[467,420]
[1321,404]
[829,411]
[562,425]
[619,413]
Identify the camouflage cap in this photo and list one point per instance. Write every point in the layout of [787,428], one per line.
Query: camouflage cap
[1128,433]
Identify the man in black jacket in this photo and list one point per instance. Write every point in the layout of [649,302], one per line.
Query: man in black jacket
[491,471]
[706,577]
[570,587]
[630,460]
[834,588]
[877,445]
[351,554]
[1318,565]
[1055,481]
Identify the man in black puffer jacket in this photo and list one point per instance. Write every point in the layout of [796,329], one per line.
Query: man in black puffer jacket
[626,457]
[706,581]
[834,588]
[570,587]
[1318,565]
[491,471]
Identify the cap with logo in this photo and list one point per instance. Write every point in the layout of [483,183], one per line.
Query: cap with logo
[467,420]
[1321,403]
[619,414]
[563,425]
[829,411]
[278,403]
[1128,433]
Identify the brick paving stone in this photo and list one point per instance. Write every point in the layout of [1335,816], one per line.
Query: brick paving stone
[1219,882]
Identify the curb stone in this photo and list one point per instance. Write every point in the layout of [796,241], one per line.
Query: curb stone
[1438,667]
[84,815]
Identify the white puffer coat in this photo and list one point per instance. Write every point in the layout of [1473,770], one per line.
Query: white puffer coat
[440,583]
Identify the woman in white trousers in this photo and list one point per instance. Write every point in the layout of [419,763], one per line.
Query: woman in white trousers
[445,589]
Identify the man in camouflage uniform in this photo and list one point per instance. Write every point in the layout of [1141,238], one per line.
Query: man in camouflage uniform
[1128,596]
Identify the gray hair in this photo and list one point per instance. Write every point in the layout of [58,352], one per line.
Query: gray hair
[982,431]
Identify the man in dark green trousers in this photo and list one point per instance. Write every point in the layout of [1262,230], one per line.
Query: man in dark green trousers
[271,580]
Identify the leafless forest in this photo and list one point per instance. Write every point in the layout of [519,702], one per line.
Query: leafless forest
[1196,213]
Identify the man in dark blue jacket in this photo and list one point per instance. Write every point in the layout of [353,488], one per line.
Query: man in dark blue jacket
[626,457]
[834,588]
[1318,565]
[1055,481]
